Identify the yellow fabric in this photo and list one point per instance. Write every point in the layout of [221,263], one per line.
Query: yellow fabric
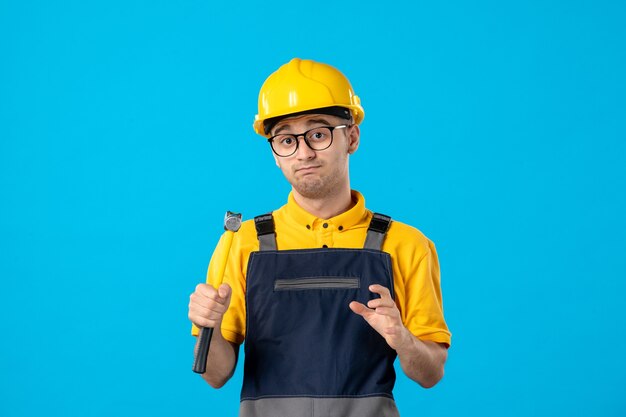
[414,260]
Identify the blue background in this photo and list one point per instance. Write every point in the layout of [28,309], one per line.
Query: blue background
[497,129]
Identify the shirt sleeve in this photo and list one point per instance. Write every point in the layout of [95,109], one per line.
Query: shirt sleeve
[417,283]
[423,300]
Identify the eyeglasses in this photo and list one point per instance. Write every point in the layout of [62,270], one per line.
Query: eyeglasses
[318,139]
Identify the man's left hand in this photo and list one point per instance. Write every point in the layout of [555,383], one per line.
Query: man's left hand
[383,315]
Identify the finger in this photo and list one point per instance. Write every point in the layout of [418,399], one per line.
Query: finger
[205,317]
[203,306]
[198,315]
[360,309]
[206,302]
[198,309]
[380,302]
[205,293]
[382,291]
[205,290]
[207,309]
[388,311]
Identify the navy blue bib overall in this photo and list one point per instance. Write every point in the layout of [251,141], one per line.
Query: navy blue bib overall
[306,353]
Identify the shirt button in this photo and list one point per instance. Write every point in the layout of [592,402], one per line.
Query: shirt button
[340,227]
[324,246]
[325,225]
[308,226]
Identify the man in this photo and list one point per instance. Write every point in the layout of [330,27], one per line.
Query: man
[324,292]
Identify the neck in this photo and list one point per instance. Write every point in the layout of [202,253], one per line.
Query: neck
[327,206]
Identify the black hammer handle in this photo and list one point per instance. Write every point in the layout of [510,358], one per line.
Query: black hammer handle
[202,351]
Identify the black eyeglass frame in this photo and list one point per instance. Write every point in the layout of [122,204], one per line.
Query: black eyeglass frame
[296,136]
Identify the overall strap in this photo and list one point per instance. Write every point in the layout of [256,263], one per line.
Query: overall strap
[265,231]
[376,231]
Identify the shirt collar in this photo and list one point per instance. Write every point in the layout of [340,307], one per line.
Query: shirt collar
[348,219]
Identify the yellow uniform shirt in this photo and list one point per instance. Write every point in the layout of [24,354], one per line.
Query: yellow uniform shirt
[414,260]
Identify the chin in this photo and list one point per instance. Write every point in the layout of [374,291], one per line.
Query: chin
[312,189]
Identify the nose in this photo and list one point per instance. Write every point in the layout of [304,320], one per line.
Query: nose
[303,151]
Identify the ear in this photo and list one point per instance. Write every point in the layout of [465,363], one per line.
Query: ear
[276,159]
[354,137]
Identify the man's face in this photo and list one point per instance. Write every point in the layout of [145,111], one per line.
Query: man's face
[317,174]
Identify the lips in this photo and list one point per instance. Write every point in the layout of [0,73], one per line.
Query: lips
[307,169]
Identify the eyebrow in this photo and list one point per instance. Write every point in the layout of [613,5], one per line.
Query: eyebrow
[308,123]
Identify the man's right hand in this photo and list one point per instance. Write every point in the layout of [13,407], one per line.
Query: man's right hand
[207,305]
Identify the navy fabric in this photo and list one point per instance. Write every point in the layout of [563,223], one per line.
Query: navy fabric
[306,341]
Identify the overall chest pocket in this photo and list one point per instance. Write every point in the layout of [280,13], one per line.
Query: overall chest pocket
[317,283]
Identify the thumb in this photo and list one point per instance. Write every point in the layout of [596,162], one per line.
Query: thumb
[224,291]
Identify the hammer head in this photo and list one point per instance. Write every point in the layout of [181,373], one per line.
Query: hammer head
[232,221]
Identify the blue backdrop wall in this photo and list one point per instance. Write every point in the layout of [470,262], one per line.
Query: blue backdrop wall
[498,129]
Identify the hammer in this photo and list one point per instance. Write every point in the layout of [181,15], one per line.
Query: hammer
[232,223]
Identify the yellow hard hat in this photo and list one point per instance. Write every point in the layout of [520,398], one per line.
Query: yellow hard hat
[302,86]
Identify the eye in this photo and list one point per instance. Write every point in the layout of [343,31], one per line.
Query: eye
[287,140]
[318,135]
